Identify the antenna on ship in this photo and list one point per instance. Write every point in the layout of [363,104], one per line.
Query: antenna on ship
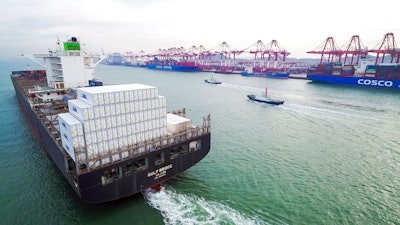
[59,43]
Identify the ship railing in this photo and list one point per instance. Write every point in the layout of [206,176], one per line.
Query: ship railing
[140,148]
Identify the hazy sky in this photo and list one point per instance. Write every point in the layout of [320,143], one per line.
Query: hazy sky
[28,26]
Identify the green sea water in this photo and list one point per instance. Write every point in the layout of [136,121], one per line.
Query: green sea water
[329,155]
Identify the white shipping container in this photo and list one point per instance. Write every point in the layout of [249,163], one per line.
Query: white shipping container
[96,112]
[90,124]
[88,139]
[93,137]
[70,124]
[152,114]
[101,149]
[176,124]
[124,119]
[112,109]
[103,123]
[87,95]
[110,134]
[140,93]
[145,95]
[116,145]
[105,160]
[81,158]
[115,133]
[161,101]
[109,121]
[123,107]
[128,119]
[129,129]
[112,97]
[107,109]
[127,107]
[163,121]
[113,121]
[120,122]
[139,105]
[119,131]
[124,130]
[99,136]
[117,97]
[102,111]
[111,146]
[69,149]
[125,154]
[106,97]
[136,106]
[105,135]
[131,95]
[79,109]
[117,108]
[116,157]
[97,124]
[127,96]
[101,98]
[124,96]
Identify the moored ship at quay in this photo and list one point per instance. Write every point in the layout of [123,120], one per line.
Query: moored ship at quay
[357,68]
[110,141]
[172,65]
[269,60]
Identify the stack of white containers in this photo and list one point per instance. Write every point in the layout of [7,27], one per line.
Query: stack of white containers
[72,136]
[105,120]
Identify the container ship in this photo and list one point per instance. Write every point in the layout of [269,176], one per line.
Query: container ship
[108,141]
[366,74]
[265,72]
[355,67]
[172,65]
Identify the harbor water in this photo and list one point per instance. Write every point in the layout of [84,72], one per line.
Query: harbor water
[329,155]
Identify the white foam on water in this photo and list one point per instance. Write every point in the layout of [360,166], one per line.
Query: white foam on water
[178,208]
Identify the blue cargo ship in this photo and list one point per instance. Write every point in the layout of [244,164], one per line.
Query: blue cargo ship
[172,65]
[268,72]
[365,74]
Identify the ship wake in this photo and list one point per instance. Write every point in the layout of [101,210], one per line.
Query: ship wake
[178,208]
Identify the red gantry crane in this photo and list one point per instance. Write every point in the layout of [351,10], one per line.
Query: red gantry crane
[328,50]
[388,46]
[354,51]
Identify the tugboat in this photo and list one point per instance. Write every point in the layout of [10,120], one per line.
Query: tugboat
[265,99]
[212,80]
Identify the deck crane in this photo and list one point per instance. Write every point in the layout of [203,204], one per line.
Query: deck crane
[388,46]
[328,49]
